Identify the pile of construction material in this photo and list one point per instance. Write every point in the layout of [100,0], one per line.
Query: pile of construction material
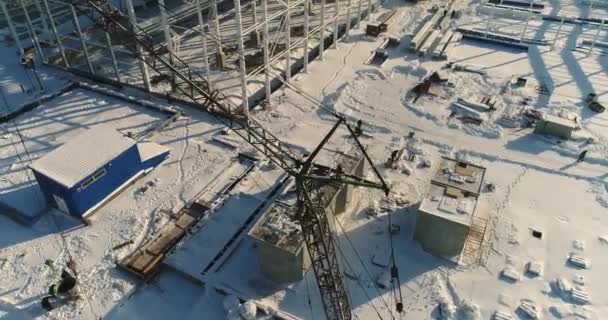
[384,21]
[434,37]
[471,111]
[426,85]
[380,55]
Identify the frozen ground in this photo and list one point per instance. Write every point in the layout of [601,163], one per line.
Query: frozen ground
[539,186]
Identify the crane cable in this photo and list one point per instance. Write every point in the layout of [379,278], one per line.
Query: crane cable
[367,272]
[395,287]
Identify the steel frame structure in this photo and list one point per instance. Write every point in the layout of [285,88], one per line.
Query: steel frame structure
[217,32]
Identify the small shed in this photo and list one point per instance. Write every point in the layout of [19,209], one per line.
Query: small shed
[556,126]
[87,171]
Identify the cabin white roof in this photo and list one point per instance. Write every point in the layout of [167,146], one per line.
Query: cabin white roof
[80,157]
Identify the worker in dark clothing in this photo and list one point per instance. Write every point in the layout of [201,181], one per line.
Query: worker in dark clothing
[394,155]
[358,129]
[63,291]
[67,283]
[581,156]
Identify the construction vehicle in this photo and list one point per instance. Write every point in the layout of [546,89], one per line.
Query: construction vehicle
[311,179]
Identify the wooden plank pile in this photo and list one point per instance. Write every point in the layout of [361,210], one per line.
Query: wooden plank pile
[145,261]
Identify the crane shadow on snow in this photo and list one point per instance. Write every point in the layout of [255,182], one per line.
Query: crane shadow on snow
[371,238]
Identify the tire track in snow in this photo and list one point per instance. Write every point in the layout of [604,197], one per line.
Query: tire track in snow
[335,75]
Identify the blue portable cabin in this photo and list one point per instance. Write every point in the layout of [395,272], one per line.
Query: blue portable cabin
[81,174]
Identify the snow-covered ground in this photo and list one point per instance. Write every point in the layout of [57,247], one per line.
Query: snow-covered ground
[539,186]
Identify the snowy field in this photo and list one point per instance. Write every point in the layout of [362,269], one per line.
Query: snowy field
[539,187]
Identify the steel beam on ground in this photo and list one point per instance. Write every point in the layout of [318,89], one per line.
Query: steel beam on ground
[241,56]
[140,53]
[369,10]
[11,27]
[81,38]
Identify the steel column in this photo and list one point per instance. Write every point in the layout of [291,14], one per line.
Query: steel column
[306,8]
[216,25]
[42,20]
[201,23]
[113,56]
[265,51]
[597,34]
[359,5]
[32,31]
[81,37]
[139,51]
[337,23]
[322,32]
[288,42]
[255,21]
[241,56]
[55,33]
[529,17]
[350,3]
[559,29]
[166,29]
[11,27]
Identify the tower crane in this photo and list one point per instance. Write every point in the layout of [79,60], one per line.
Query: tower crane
[310,178]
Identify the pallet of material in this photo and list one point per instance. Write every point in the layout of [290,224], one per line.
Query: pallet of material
[467,111]
[375,29]
[493,38]
[475,105]
[378,57]
[145,261]
[418,39]
[440,48]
